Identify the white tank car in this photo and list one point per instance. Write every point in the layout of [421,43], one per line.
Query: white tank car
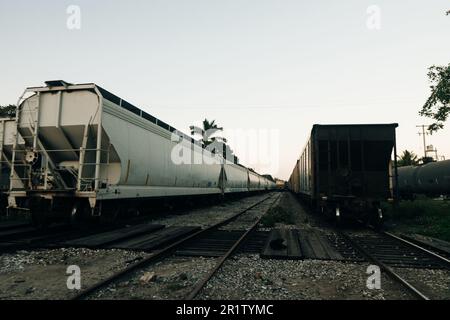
[59,157]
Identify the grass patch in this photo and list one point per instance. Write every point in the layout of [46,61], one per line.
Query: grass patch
[424,216]
[275,215]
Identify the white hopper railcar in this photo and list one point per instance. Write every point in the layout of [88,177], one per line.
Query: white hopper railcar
[63,164]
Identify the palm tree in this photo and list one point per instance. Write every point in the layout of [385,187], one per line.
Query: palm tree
[207,132]
[220,143]
[408,158]
[210,125]
[8,111]
[210,128]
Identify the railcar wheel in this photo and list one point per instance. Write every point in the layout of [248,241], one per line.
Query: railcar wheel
[378,219]
[74,214]
[337,216]
[78,214]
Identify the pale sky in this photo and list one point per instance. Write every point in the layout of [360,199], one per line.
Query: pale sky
[263,65]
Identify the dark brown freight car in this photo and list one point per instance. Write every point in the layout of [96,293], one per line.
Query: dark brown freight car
[345,171]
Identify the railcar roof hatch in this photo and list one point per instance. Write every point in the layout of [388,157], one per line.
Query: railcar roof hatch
[58,83]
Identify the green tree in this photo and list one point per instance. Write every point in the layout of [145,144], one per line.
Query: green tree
[208,137]
[8,111]
[207,132]
[408,158]
[210,128]
[437,106]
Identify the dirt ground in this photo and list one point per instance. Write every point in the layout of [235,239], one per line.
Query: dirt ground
[43,274]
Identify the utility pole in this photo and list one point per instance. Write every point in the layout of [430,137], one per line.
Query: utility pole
[423,134]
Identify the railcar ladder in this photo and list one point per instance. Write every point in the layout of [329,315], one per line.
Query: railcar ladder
[37,146]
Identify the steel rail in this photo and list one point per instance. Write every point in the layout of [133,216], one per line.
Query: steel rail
[159,254]
[201,284]
[384,267]
[440,251]
[381,264]
[442,259]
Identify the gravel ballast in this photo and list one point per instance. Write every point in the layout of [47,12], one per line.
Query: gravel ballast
[204,217]
[43,274]
[170,279]
[250,277]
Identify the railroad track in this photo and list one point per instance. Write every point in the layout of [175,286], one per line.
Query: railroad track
[130,234]
[172,249]
[14,237]
[202,283]
[391,253]
[434,245]
[29,237]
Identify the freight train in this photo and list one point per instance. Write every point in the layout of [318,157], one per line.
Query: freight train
[431,179]
[77,151]
[345,171]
